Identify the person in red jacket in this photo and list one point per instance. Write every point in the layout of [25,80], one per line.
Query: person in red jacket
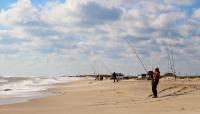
[155,81]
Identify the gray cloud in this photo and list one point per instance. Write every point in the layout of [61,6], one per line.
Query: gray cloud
[94,14]
[8,51]
[77,32]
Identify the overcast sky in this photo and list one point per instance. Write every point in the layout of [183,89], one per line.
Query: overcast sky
[58,37]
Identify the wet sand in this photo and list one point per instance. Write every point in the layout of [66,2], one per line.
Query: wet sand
[88,96]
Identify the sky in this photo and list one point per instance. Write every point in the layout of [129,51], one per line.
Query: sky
[71,37]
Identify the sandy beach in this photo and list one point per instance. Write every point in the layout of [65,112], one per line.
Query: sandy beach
[87,96]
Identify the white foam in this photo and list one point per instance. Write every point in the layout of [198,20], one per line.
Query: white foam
[3,80]
[30,87]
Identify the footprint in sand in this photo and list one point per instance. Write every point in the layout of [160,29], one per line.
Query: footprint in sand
[174,91]
[182,91]
[164,90]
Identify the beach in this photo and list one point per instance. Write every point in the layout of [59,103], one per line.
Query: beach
[87,96]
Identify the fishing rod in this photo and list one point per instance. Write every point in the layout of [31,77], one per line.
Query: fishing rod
[106,67]
[97,68]
[173,66]
[134,50]
[171,58]
[171,62]
[93,70]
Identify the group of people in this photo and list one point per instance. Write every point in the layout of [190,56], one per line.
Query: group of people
[154,75]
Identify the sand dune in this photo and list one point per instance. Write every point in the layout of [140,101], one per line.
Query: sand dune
[105,97]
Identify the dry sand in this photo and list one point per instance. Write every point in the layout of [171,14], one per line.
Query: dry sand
[87,96]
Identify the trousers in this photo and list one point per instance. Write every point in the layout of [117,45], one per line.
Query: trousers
[154,87]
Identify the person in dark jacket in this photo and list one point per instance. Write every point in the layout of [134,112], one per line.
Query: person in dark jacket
[155,81]
[115,77]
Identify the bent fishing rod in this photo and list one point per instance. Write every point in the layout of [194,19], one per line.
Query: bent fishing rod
[134,50]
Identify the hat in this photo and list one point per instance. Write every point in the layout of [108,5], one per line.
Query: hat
[157,68]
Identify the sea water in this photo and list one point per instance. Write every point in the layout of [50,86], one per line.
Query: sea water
[23,89]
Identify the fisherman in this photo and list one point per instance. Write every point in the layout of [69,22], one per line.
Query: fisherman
[97,77]
[155,81]
[115,77]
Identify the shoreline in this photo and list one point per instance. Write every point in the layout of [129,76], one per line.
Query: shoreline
[86,96]
[32,95]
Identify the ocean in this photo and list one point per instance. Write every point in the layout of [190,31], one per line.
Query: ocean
[22,89]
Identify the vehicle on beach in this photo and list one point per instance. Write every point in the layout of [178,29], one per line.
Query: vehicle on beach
[142,76]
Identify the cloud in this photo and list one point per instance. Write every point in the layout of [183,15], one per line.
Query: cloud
[196,14]
[168,19]
[5,40]
[94,13]
[183,2]
[71,34]
[20,12]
